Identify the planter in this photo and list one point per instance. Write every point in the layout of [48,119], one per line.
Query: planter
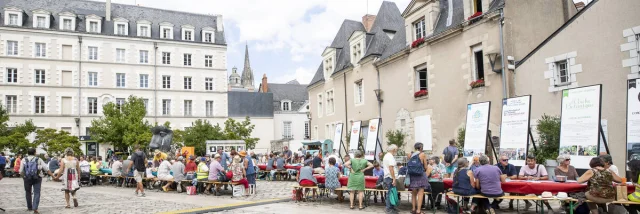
[477,83]
[417,43]
[421,93]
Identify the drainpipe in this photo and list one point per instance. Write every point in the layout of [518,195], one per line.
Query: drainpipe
[346,112]
[378,98]
[79,84]
[502,57]
[155,83]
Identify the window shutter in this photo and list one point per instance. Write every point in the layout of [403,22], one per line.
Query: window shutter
[556,73]
[568,71]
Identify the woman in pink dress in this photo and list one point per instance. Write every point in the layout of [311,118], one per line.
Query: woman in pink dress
[69,166]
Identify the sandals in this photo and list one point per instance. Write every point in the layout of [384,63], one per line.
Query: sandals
[360,208]
[352,207]
[67,207]
[75,202]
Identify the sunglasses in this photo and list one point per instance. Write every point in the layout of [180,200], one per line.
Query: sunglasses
[505,160]
[567,159]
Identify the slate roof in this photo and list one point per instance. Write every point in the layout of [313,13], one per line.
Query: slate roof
[388,18]
[290,91]
[132,13]
[251,104]
[457,18]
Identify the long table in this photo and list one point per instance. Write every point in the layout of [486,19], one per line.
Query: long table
[296,167]
[369,181]
[537,187]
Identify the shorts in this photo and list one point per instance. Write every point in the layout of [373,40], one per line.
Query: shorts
[165,177]
[307,183]
[318,170]
[138,176]
[450,169]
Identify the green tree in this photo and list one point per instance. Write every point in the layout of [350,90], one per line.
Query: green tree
[197,135]
[234,130]
[460,141]
[123,126]
[178,138]
[15,139]
[548,144]
[55,142]
[396,137]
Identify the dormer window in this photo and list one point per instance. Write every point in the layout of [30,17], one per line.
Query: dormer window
[285,105]
[477,6]
[94,23]
[41,18]
[144,28]
[357,52]
[328,66]
[13,16]
[328,61]
[41,22]
[121,26]
[356,44]
[419,28]
[187,33]
[207,35]
[67,21]
[166,30]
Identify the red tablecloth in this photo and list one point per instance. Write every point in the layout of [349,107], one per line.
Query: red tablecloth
[524,187]
[370,181]
[264,167]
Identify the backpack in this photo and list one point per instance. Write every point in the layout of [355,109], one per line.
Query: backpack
[448,155]
[415,166]
[31,169]
[222,177]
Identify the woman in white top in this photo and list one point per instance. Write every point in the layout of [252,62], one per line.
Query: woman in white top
[69,169]
[164,173]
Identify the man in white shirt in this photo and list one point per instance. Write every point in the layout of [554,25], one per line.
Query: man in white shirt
[84,165]
[390,175]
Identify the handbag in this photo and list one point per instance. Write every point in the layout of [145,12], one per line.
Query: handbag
[229,174]
[621,193]
[191,190]
[189,176]
[393,196]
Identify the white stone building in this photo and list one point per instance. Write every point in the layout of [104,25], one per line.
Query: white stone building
[62,60]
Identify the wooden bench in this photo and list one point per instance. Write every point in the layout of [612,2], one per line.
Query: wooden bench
[536,199]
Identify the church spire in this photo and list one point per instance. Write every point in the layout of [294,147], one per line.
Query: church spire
[246,57]
[247,73]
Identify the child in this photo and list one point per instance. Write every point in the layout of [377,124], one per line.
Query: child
[378,172]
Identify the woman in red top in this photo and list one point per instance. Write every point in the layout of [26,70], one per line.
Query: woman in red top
[191,165]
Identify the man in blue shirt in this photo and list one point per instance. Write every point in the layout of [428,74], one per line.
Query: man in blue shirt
[3,163]
[224,158]
[510,171]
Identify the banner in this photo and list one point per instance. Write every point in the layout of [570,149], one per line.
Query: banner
[354,139]
[188,151]
[337,138]
[422,132]
[633,120]
[514,129]
[372,139]
[580,124]
[475,138]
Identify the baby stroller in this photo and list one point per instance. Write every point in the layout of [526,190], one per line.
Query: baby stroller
[85,179]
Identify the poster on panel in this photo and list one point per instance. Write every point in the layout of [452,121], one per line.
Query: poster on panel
[633,120]
[337,138]
[580,124]
[372,139]
[354,138]
[475,138]
[514,129]
[605,130]
[422,131]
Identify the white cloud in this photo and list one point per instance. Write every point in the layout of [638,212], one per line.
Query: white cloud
[297,57]
[303,75]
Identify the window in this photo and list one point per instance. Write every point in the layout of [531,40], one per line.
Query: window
[327,130]
[208,84]
[121,29]
[12,75]
[320,106]
[421,78]
[166,58]
[119,103]
[41,22]
[209,108]
[166,107]
[12,48]
[93,53]
[286,130]
[12,103]
[144,31]
[356,52]
[187,83]
[328,66]
[166,33]
[330,106]
[562,73]
[187,59]
[13,19]
[146,105]
[144,80]
[419,28]
[39,104]
[208,61]
[40,76]
[121,80]
[41,50]
[93,79]
[478,63]
[187,107]
[286,106]
[92,103]
[120,55]
[66,24]
[208,37]
[166,81]
[306,130]
[477,5]
[144,57]
[93,27]
[359,96]
[188,35]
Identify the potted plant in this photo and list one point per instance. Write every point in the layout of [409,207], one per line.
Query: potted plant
[420,93]
[417,43]
[477,83]
[475,15]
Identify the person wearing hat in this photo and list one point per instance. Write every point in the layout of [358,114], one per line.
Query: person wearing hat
[208,157]
[202,173]
[249,167]
[177,169]
[215,169]
[239,173]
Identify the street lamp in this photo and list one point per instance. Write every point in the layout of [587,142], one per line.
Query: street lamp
[378,94]
[77,119]
[309,117]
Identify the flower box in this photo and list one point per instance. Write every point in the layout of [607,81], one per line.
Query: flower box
[475,15]
[417,43]
[420,93]
[477,83]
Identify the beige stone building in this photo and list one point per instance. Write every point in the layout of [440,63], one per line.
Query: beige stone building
[597,46]
[442,47]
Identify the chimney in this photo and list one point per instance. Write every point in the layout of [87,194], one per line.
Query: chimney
[265,87]
[367,21]
[108,10]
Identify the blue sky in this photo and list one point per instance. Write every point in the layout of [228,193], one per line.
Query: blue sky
[285,37]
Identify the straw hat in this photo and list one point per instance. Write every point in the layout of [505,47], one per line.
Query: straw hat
[242,153]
